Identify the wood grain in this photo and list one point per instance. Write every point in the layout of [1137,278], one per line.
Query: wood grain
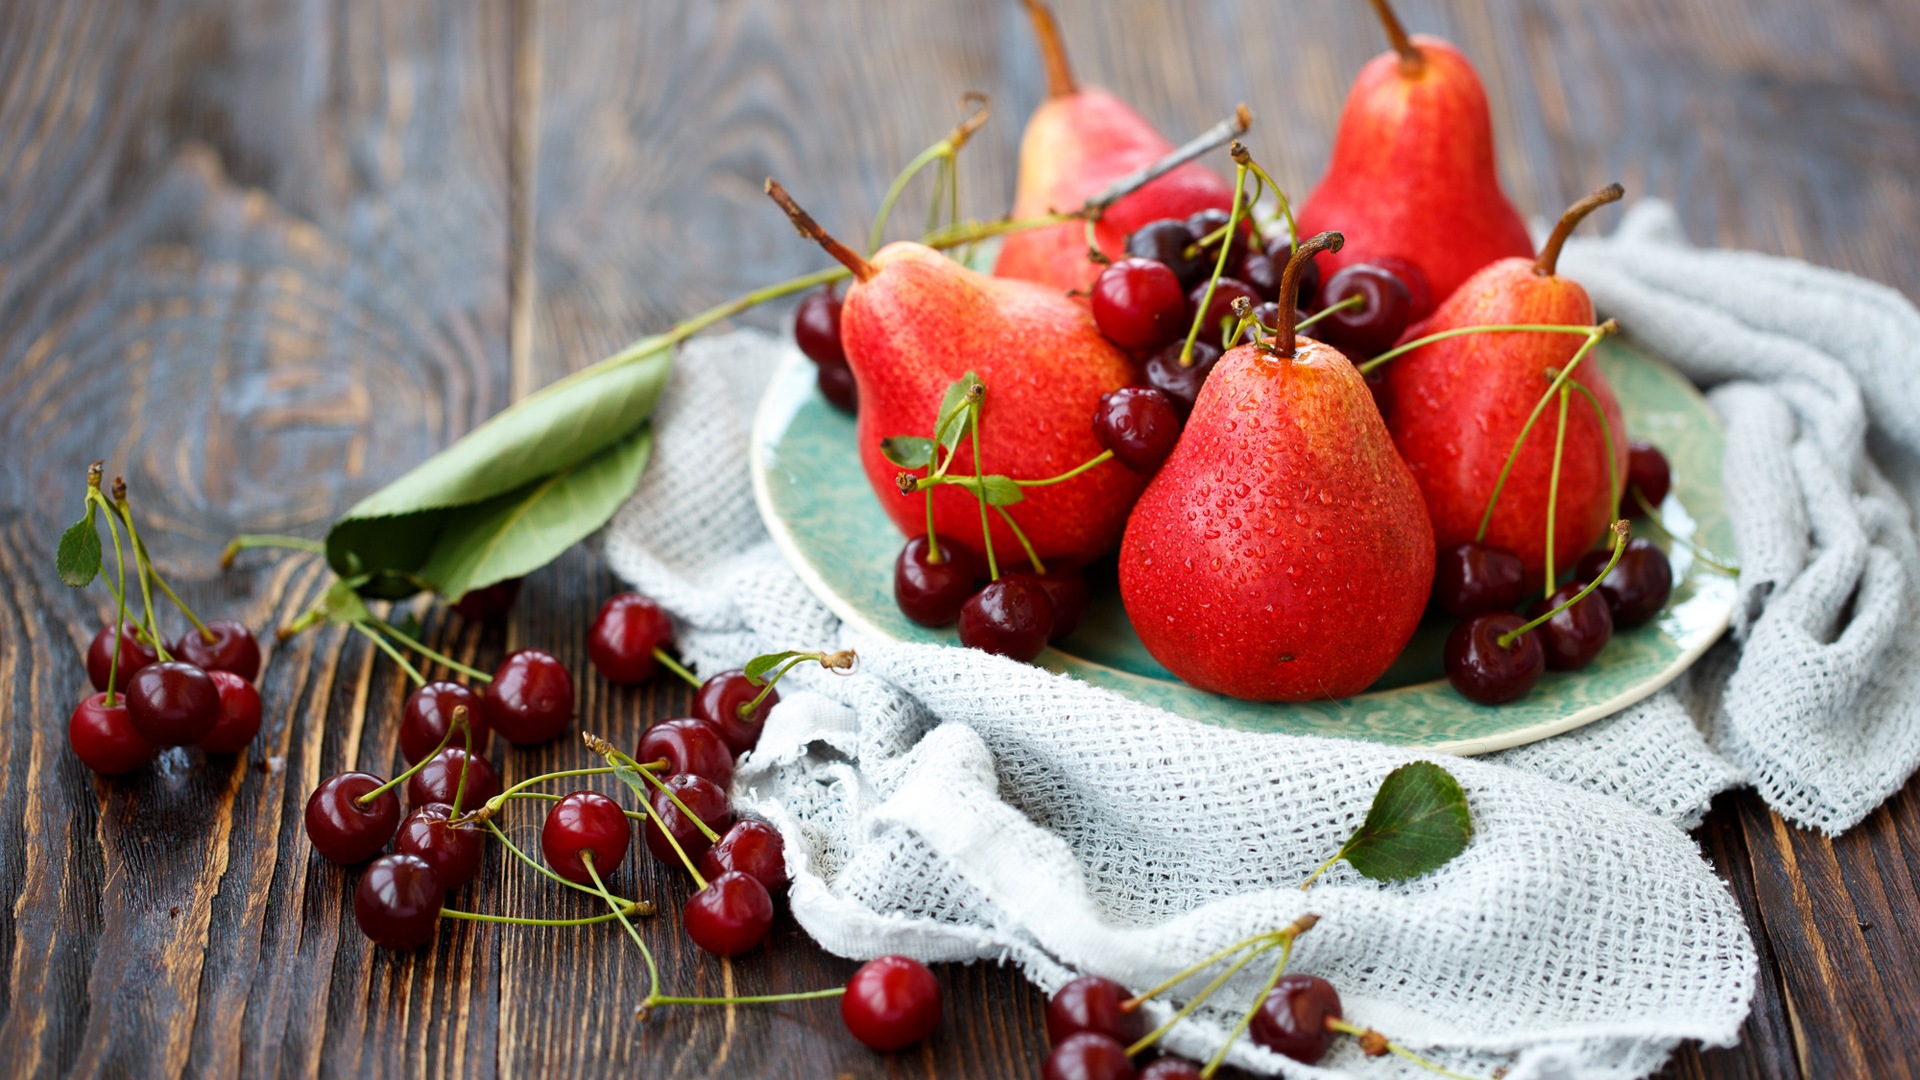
[263,255]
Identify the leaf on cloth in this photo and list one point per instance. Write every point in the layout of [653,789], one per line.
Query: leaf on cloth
[1418,822]
[757,668]
[78,556]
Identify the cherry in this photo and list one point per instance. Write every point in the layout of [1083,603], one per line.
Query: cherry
[1139,304]
[730,916]
[1371,328]
[1171,1068]
[706,799]
[133,656]
[1166,241]
[1260,271]
[1066,591]
[585,821]
[839,387]
[752,847]
[1139,424]
[1639,585]
[232,649]
[1182,383]
[1483,670]
[1091,1003]
[816,328]
[1280,251]
[690,746]
[398,901]
[1089,1056]
[1574,637]
[1220,309]
[428,714]
[491,602]
[624,635]
[239,714]
[1293,1018]
[452,850]
[173,703]
[891,1002]
[439,779]
[1471,579]
[1647,469]
[342,828]
[930,593]
[1211,220]
[530,698]
[104,738]
[1419,294]
[1011,617]
[719,701]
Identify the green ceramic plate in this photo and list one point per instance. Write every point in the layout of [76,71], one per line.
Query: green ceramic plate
[816,503]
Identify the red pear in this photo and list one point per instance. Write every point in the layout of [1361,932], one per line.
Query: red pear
[1412,175]
[914,321]
[1080,140]
[1456,407]
[1282,552]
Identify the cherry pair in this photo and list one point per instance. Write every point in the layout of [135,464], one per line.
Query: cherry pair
[816,329]
[1091,1022]
[1017,615]
[226,646]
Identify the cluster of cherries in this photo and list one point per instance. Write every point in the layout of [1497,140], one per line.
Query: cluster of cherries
[816,329]
[198,693]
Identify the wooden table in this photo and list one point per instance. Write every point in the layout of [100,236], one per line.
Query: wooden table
[263,255]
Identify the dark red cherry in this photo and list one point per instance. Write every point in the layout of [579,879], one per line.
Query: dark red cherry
[133,656]
[1170,1068]
[1419,294]
[1139,424]
[688,745]
[1647,469]
[239,714]
[1091,1003]
[1385,310]
[439,779]
[891,1002]
[1166,242]
[452,850]
[707,800]
[172,703]
[342,828]
[1574,637]
[429,712]
[1471,579]
[1639,585]
[1066,590]
[1211,220]
[752,847]
[1261,272]
[585,821]
[1011,617]
[1308,295]
[1219,316]
[489,602]
[104,739]
[816,328]
[397,902]
[719,701]
[530,698]
[1180,382]
[838,386]
[1293,1018]
[730,916]
[1482,669]
[1139,304]
[233,648]
[1088,1056]
[930,593]
[624,635]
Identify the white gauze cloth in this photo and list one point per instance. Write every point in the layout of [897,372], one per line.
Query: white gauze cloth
[951,805]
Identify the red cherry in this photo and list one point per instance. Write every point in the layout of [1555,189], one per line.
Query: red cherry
[1220,308]
[585,821]
[1386,309]
[1180,382]
[104,738]
[1088,1056]
[1139,424]
[1482,669]
[1647,469]
[930,593]
[1574,637]
[239,714]
[439,779]
[1066,591]
[688,746]
[1166,241]
[708,803]
[1639,585]
[719,701]
[428,714]
[1010,617]
[490,602]
[838,386]
[172,703]
[1091,1003]
[1293,1018]
[1138,304]
[752,847]
[1280,251]
[452,850]
[624,635]
[730,916]
[891,1002]
[1419,293]
[343,829]
[1471,579]
[816,328]
[1260,271]
[1171,1068]
[133,656]
[397,902]
[233,648]
[1211,220]
[530,698]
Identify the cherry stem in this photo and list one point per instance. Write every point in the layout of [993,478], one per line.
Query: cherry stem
[120,594]
[1246,1018]
[148,571]
[548,796]
[1546,328]
[142,568]
[1286,208]
[460,789]
[1411,58]
[676,667]
[1334,1023]
[1323,868]
[1033,557]
[267,540]
[1354,301]
[861,269]
[437,657]
[943,152]
[1654,519]
[1190,971]
[986,532]
[653,970]
[1265,942]
[639,907]
[519,920]
[841,661]
[1606,429]
[933,543]
[661,786]
[387,647]
[498,802]
[1059,75]
[1553,488]
[459,721]
[1290,284]
[1101,458]
[1550,251]
[1620,530]
[698,881]
[756,999]
[1594,334]
[1226,246]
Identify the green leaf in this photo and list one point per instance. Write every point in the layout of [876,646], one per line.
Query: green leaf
[948,434]
[516,533]
[1418,822]
[78,556]
[1001,490]
[342,602]
[907,451]
[758,667]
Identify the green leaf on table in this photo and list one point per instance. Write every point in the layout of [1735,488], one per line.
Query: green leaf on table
[78,556]
[342,604]
[907,451]
[758,667]
[949,422]
[1001,490]
[1418,822]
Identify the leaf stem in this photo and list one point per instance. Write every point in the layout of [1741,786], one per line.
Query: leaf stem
[267,540]
[1490,328]
[1324,867]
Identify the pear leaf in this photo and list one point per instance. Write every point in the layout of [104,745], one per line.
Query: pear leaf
[950,424]
[757,668]
[1001,490]
[78,556]
[907,451]
[1417,823]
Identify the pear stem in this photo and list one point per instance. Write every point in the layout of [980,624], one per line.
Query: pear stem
[809,228]
[1411,58]
[1550,252]
[1290,283]
[1059,73]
